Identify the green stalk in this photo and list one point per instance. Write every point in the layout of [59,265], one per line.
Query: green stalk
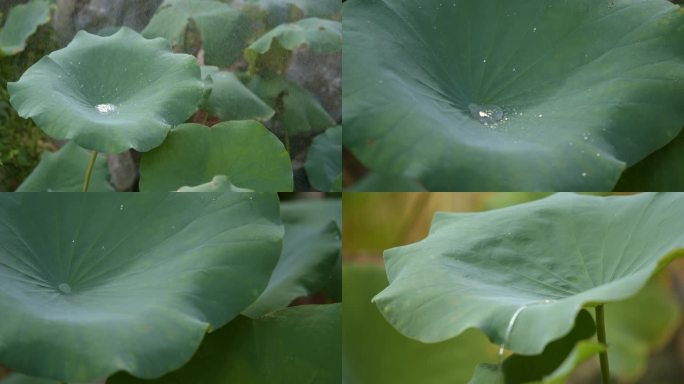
[601,335]
[89,171]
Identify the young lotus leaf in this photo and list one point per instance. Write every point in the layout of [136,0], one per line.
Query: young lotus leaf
[22,22]
[311,248]
[298,110]
[374,352]
[511,95]
[541,261]
[324,161]
[230,99]
[553,366]
[320,35]
[294,345]
[244,151]
[223,29]
[219,183]
[110,94]
[63,171]
[102,285]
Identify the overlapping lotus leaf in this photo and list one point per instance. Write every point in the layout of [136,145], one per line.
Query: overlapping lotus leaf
[324,161]
[64,170]
[22,22]
[311,8]
[661,171]
[223,29]
[510,95]
[91,285]
[320,35]
[244,151]
[545,260]
[110,94]
[311,249]
[294,345]
[229,99]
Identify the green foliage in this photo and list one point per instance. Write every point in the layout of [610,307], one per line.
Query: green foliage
[22,22]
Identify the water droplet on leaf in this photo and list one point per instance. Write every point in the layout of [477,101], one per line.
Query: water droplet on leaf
[486,114]
[106,108]
[65,288]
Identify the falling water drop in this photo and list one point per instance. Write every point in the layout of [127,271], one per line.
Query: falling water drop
[486,114]
[64,288]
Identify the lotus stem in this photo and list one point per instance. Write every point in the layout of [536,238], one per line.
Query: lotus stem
[89,171]
[287,142]
[601,335]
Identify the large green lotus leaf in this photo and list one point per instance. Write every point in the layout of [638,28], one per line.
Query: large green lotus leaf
[22,22]
[230,99]
[219,183]
[223,29]
[553,365]
[244,151]
[311,248]
[321,35]
[511,95]
[64,171]
[537,264]
[91,284]
[638,326]
[294,345]
[299,111]
[110,94]
[324,161]
[663,170]
[375,353]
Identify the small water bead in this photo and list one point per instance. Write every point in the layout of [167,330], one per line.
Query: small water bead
[534,29]
[540,116]
[121,207]
[64,288]
[484,61]
[584,174]
[106,108]
[486,114]
[73,241]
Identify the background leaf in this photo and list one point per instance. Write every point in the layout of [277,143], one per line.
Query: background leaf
[64,171]
[231,100]
[244,151]
[294,345]
[324,161]
[22,21]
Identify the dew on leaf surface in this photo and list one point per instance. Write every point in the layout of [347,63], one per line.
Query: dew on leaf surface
[106,108]
[486,114]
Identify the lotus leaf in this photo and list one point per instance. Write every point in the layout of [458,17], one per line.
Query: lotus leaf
[313,8]
[374,181]
[553,366]
[230,99]
[324,36]
[542,262]
[298,110]
[90,285]
[244,151]
[311,248]
[223,28]
[63,171]
[110,94]
[294,345]
[324,161]
[22,22]
[511,95]
[219,183]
